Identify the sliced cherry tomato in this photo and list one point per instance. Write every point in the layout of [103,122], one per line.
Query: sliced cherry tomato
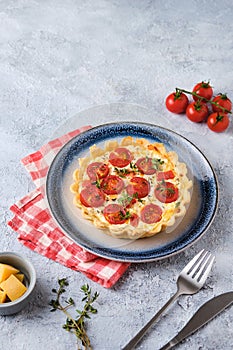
[151,213]
[177,102]
[218,122]
[87,183]
[165,175]
[92,197]
[112,184]
[120,157]
[146,166]
[97,170]
[134,220]
[197,111]
[204,90]
[138,187]
[115,214]
[166,192]
[222,101]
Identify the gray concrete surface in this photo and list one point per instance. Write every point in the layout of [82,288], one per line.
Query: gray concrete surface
[60,57]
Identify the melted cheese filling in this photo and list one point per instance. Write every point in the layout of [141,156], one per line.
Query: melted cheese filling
[163,160]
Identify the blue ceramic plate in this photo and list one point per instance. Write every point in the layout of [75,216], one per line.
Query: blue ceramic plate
[185,232]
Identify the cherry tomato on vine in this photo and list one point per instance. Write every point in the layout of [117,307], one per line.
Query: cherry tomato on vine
[177,102]
[223,101]
[218,121]
[203,89]
[197,111]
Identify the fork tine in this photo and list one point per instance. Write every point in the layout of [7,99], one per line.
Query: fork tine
[199,263]
[204,272]
[189,266]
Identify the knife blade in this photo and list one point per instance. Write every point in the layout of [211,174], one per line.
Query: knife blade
[203,315]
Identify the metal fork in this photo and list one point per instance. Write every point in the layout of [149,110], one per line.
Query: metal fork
[190,281]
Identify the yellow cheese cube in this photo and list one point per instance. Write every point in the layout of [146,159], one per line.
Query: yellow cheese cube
[2,296]
[13,287]
[6,271]
[20,276]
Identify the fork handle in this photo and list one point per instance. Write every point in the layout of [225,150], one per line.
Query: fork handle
[131,344]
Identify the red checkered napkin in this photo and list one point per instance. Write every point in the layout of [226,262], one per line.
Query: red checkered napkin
[38,231]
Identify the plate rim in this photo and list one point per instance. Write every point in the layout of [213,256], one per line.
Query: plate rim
[124,258]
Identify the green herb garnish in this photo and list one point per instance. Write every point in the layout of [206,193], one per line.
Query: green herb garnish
[122,172]
[125,199]
[97,183]
[75,325]
[157,163]
[124,216]
[133,167]
[125,171]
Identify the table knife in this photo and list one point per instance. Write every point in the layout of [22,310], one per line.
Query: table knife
[203,315]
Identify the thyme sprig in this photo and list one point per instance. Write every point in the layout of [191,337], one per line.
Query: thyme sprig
[75,325]
[123,172]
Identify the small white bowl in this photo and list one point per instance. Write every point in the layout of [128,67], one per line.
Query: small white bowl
[24,266]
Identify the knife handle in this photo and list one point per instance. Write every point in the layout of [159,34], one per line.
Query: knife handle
[170,344]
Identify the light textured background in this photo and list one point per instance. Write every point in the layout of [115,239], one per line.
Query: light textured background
[59,57]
